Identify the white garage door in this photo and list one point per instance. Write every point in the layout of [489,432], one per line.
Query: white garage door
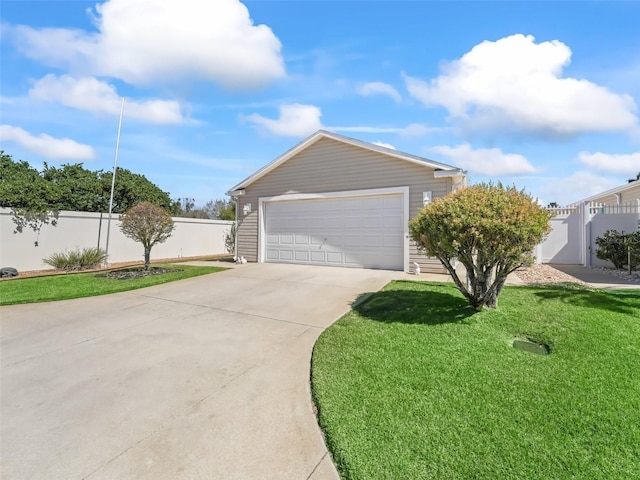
[364,232]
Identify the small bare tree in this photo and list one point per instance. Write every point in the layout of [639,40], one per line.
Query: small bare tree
[148,224]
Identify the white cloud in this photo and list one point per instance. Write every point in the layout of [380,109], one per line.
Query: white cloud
[379,88]
[575,187]
[95,96]
[366,129]
[46,145]
[485,161]
[411,130]
[383,144]
[295,120]
[517,84]
[151,41]
[616,163]
[419,130]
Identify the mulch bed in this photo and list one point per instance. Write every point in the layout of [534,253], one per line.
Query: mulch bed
[113,266]
[137,272]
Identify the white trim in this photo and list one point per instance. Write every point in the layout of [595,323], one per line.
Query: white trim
[458,172]
[607,193]
[349,193]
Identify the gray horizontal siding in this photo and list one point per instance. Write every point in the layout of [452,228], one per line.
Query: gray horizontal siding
[631,195]
[331,166]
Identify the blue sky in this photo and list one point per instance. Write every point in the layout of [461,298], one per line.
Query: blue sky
[543,95]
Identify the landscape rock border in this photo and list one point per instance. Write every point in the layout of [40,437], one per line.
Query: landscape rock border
[542,273]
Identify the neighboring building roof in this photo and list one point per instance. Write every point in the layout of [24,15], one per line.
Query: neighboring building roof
[447,170]
[613,191]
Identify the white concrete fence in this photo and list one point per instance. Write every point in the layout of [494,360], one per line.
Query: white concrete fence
[191,237]
[574,230]
[571,241]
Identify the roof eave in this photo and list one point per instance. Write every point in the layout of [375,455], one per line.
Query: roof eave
[612,191]
[278,161]
[458,172]
[350,141]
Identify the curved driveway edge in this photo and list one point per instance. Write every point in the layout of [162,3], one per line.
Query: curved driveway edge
[203,378]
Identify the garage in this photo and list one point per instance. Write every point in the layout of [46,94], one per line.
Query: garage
[338,201]
[357,231]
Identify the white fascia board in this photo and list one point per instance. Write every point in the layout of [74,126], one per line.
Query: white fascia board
[278,161]
[458,172]
[606,193]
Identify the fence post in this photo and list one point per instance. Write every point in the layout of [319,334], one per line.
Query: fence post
[585,220]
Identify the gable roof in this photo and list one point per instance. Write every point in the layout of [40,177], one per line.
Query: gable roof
[447,170]
[613,191]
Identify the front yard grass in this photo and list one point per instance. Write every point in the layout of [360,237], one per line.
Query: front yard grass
[77,285]
[414,384]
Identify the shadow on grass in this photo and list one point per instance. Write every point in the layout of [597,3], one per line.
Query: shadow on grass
[405,306]
[619,301]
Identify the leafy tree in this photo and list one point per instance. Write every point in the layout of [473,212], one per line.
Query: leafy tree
[148,224]
[133,188]
[79,189]
[490,229]
[35,198]
[187,209]
[221,209]
[218,209]
[32,200]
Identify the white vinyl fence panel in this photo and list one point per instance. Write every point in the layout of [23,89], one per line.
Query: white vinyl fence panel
[77,230]
[574,230]
[562,245]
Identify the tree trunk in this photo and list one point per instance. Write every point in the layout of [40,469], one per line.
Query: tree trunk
[492,300]
[147,258]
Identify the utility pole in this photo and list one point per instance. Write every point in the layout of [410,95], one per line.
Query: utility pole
[113,184]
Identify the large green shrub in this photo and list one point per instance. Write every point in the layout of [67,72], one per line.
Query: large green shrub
[490,229]
[616,247]
[76,259]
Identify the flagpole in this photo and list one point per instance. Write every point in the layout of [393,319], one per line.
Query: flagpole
[113,183]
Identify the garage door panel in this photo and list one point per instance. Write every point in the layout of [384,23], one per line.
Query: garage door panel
[354,223]
[363,231]
[392,202]
[285,239]
[272,238]
[389,221]
[371,241]
[302,256]
[370,221]
[302,239]
[318,257]
[392,241]
[352,240]
[286,255]
[334,258]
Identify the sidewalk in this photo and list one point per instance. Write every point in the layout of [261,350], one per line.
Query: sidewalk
[595,278]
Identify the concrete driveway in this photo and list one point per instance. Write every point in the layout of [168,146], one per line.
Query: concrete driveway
[202,378]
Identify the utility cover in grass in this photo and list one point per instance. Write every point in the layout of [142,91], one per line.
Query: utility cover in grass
[531,346]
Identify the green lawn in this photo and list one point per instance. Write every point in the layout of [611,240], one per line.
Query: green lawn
[77,285]
[414,384]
